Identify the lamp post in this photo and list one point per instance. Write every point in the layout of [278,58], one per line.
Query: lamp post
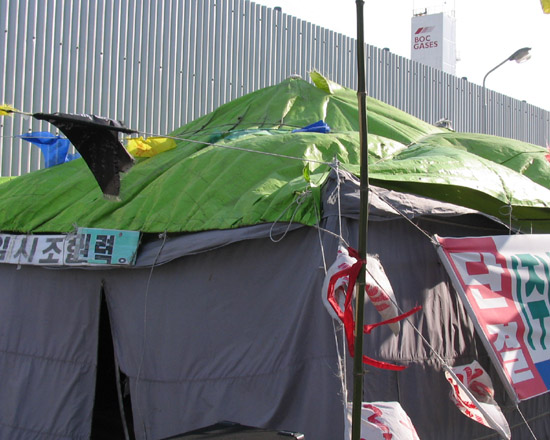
[519,56]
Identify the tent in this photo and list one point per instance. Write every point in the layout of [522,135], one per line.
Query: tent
[220,317]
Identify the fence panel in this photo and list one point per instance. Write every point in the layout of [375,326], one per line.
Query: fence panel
[158,65]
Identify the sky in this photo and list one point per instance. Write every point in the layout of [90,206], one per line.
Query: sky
[487,33]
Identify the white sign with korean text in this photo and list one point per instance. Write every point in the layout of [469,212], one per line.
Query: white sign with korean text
[86,247]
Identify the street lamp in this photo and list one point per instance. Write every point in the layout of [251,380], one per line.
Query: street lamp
[519,56]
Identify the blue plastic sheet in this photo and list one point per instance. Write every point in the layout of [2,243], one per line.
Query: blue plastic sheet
[54,148]
[316,127]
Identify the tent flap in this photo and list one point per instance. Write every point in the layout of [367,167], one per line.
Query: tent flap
[48,353]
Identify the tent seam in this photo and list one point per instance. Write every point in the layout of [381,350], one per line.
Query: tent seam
[49,359]
[230,378]
[56,435]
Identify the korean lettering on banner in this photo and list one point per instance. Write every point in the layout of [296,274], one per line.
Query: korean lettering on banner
[52,251]
[36,250]
[104,246]
[504,283]
[87,247]
[77,249]
[5,242]
[107,246]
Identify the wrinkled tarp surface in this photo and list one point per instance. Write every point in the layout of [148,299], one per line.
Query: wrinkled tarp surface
[231,168]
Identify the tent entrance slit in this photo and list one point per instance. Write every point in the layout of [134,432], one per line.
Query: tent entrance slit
[111,417]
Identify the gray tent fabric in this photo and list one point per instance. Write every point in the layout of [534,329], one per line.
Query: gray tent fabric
[241,342]
[384,204]
[48,352]
[229,325]
[168,248]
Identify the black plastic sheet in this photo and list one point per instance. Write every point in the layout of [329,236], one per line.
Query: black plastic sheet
[96,139]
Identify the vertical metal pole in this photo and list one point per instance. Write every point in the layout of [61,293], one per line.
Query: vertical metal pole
[363,221]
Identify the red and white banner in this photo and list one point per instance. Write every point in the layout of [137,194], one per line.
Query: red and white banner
[337,291]
[382,421]
[472,392]
[504,284]
[377,288]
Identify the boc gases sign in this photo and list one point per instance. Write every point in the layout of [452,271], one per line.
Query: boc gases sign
[424,38]
[433,41]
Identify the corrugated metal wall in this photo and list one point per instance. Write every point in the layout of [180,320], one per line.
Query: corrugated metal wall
[158,64]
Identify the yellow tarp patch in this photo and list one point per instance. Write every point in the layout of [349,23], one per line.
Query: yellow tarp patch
[7,110]
[139,147]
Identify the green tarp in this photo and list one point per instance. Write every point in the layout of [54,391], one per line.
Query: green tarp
[242,165]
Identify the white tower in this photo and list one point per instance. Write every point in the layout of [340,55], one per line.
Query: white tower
[433,41]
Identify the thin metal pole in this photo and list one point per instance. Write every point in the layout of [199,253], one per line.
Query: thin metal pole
[484,115]
[363,221]
[519,56]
